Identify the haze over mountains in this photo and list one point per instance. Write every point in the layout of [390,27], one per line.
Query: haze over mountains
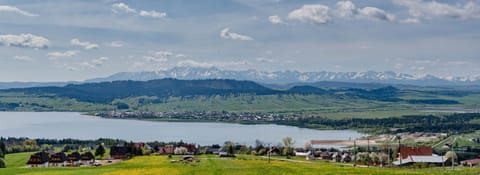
[264,77]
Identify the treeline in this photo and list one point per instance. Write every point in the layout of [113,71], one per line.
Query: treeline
[459,123]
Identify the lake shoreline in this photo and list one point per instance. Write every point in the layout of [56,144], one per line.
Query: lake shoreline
[58,125]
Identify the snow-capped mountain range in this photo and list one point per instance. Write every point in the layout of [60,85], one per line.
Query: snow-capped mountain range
[286,77]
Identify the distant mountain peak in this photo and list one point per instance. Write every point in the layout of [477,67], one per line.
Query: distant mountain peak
[291,76]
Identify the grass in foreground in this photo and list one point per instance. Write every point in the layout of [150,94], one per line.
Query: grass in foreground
[214,165]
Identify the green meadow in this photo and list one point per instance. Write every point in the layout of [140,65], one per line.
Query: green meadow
[210,164]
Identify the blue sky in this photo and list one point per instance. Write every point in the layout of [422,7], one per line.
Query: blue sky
[45,40]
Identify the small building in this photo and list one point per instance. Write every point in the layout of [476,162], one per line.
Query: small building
[433,160]
[275,151]
[58,160]
[308,155]
[139,145]
[213,150]
[407,151]
[346,158]
[191,148]
[87,158]
[336,157]
[325,155]
[74,159]
[471,162]
[39,159]
[166,150]
[119,152]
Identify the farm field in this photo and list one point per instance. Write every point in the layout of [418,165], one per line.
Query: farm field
[209,164]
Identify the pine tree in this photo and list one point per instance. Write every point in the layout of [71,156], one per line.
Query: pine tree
[2,163]
[3,150]
[100,151]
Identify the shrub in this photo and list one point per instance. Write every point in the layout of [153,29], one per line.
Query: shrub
[2,163]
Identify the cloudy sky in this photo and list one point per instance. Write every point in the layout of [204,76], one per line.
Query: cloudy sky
[46,40]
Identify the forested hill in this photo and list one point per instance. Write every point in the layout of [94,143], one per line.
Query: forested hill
[106,92]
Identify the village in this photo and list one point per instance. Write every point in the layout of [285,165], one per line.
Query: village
[361,154]
[202,115]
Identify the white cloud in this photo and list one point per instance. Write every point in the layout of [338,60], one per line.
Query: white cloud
[87,45]
[164,54]
[345,9]
[159,57]
[398,66]
[410,20]
[12,9]
[193,63]
[265,60]
[94,63]
[420,9]
[311,13]
[322,14]
[70,68]
[152,14]
[23,58]
[180,55]
[417,68]
[275,20]
[66,54]
[115,44]
[226,34]
[376,13]
[100,61]
[25,40]
[122,7]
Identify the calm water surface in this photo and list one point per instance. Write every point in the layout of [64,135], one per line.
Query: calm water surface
[74,125]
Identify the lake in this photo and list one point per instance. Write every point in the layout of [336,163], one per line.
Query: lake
[57,125]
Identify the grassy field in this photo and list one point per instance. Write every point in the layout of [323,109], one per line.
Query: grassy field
[210,164]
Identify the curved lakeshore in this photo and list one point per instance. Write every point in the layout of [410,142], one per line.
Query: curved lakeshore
[57,125]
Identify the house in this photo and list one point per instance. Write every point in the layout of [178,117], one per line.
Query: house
[74,159]
[407,151]
[346,158]
[435,160]
[87,158]
[166,150]
[191,148]
[325,155]
[336,157]
[471,162]
[58,159]
[119,152]
[139,145]
[214,149]
[39,159]
[275,151]
[308,155]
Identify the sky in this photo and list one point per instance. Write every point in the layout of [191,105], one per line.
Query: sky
[62,40]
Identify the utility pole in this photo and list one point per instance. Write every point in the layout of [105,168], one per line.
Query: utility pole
[400,150]
[453,154]
[355,152]
[368,151]
[269,152]
[388,154]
